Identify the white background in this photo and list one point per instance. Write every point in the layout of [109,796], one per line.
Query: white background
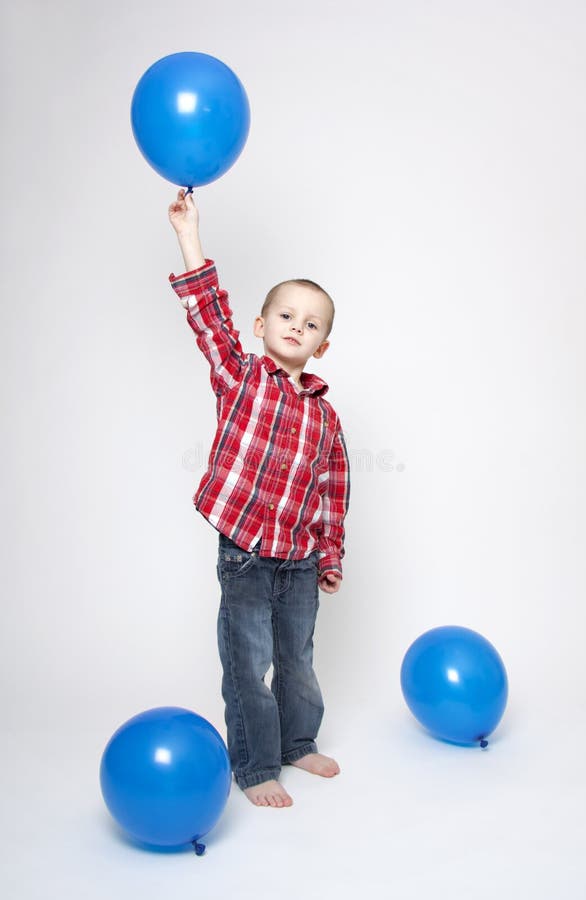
[425,163]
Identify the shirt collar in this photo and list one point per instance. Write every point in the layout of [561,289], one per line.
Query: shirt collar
[310,383]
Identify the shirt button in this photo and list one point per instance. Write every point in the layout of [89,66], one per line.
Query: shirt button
[293,431]
[271,505]
[283,465]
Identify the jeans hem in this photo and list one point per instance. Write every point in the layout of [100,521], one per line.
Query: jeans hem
[294,755]
[246,781]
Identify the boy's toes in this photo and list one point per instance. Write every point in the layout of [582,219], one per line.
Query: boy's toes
[318,764]
[269,793]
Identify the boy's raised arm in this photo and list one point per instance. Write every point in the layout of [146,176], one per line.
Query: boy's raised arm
[208,310]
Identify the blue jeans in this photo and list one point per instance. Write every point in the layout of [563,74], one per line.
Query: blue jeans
[267,615]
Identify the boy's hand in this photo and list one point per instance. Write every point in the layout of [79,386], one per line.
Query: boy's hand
[184,217]
[183,214]
[330,582]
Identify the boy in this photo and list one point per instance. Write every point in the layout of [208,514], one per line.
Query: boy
[277,490]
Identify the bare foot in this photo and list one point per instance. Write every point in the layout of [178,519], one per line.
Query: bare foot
[318,764]
[268,793]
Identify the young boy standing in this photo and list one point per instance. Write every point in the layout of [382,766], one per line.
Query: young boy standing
[276,489]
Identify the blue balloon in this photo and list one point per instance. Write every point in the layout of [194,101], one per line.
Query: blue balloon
[165,776]
[190,118]
[455,684]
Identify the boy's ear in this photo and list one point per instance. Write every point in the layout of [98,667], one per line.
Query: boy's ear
[321,349]
[258,326]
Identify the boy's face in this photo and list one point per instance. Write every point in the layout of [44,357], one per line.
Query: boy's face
[295,325]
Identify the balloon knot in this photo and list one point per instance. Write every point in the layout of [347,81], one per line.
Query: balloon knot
[200,849]
[189,190]
[483,744]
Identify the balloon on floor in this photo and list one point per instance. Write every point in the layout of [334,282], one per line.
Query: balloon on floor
[190,117]
[455,684]
[165,777]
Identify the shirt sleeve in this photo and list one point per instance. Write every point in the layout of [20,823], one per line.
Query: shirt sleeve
[210,317]
[335,489]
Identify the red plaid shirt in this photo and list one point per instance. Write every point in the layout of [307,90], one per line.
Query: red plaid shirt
[278,469]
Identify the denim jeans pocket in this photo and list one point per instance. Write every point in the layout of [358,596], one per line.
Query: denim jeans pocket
[234,561]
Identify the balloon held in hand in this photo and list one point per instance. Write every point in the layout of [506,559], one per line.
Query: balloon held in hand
[190,118]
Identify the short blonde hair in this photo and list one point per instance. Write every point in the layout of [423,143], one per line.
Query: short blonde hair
[272,294]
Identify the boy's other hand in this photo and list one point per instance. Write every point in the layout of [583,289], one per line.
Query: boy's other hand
[183,214]
[330,582]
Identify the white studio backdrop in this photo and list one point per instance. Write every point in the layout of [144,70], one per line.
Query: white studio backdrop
[425,163]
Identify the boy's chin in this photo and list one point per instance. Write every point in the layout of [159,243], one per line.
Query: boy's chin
[288,351]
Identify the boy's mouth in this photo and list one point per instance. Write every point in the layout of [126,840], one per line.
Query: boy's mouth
[293,340]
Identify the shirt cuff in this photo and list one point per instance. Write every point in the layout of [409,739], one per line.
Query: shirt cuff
[329,562]
[204,276]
